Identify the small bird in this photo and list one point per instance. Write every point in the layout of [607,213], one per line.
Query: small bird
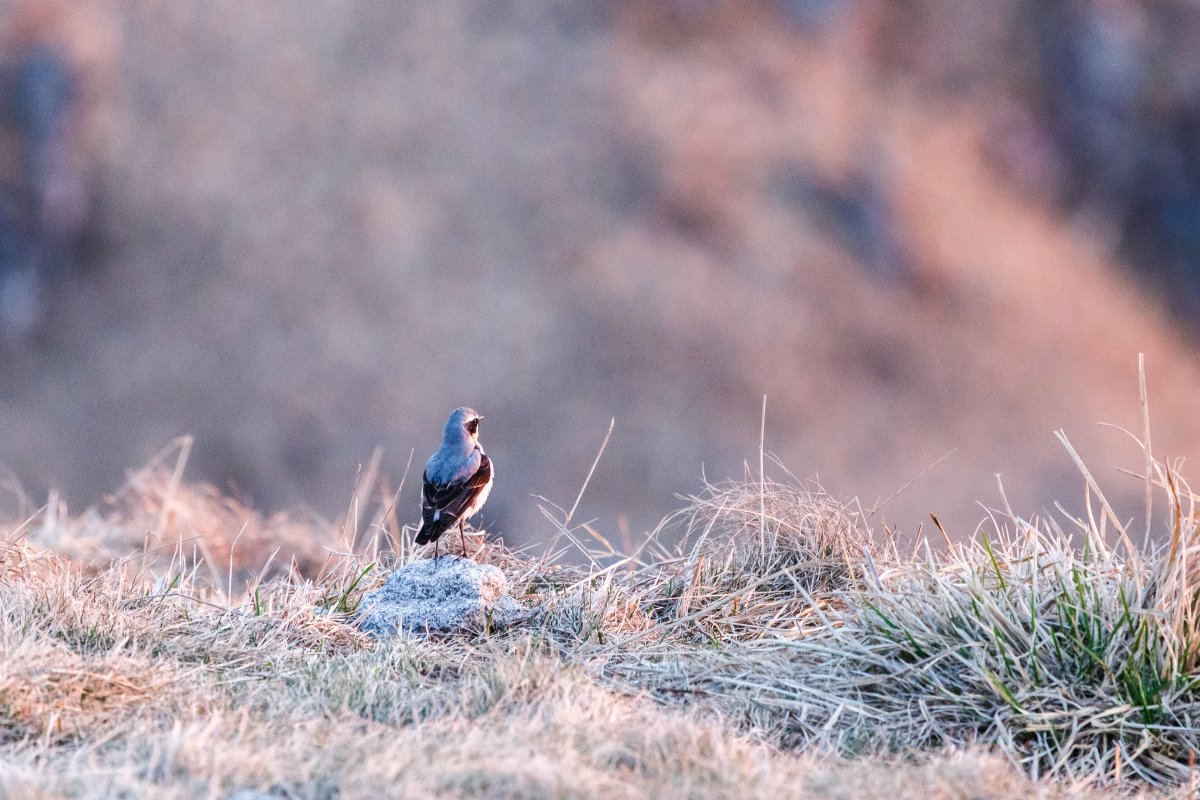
[458,479]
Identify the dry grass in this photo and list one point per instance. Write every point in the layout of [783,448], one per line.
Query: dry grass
[775,639]
[157,518]
[758,558]
[109,690]
[622,192]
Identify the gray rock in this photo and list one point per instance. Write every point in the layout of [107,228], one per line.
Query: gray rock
[447,595]
[274,793]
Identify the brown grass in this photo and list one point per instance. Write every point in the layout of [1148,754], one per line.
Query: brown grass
[779,648]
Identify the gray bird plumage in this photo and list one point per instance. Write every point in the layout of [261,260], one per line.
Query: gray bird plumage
[457,479]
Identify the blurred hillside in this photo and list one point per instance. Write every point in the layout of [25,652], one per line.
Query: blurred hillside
[323,226]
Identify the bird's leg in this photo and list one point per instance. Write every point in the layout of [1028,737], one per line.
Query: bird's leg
[435,549]
[462,537]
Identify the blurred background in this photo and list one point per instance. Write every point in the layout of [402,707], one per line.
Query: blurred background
[301,231]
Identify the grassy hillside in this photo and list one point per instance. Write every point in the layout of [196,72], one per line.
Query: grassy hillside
[175,644]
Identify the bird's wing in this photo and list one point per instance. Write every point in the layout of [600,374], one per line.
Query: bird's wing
[448,501]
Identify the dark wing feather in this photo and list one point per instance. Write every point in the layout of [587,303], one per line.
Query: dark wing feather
[452,499]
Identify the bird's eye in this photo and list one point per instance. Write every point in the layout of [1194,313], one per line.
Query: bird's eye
[473,426]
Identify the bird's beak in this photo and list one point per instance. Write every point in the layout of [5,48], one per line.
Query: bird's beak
[481,419]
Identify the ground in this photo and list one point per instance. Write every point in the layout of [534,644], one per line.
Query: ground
[175,644]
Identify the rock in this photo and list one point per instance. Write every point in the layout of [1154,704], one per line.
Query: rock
[274,793]
[447,595]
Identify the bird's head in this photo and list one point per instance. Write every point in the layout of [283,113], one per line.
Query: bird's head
[463,423]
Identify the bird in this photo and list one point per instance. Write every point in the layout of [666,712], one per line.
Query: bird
[457,479]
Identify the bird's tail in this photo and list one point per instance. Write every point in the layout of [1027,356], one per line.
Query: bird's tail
[430,532]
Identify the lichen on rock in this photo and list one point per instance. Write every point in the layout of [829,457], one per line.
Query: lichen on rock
[450,594]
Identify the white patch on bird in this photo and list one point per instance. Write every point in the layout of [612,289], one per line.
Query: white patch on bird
[437,515]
